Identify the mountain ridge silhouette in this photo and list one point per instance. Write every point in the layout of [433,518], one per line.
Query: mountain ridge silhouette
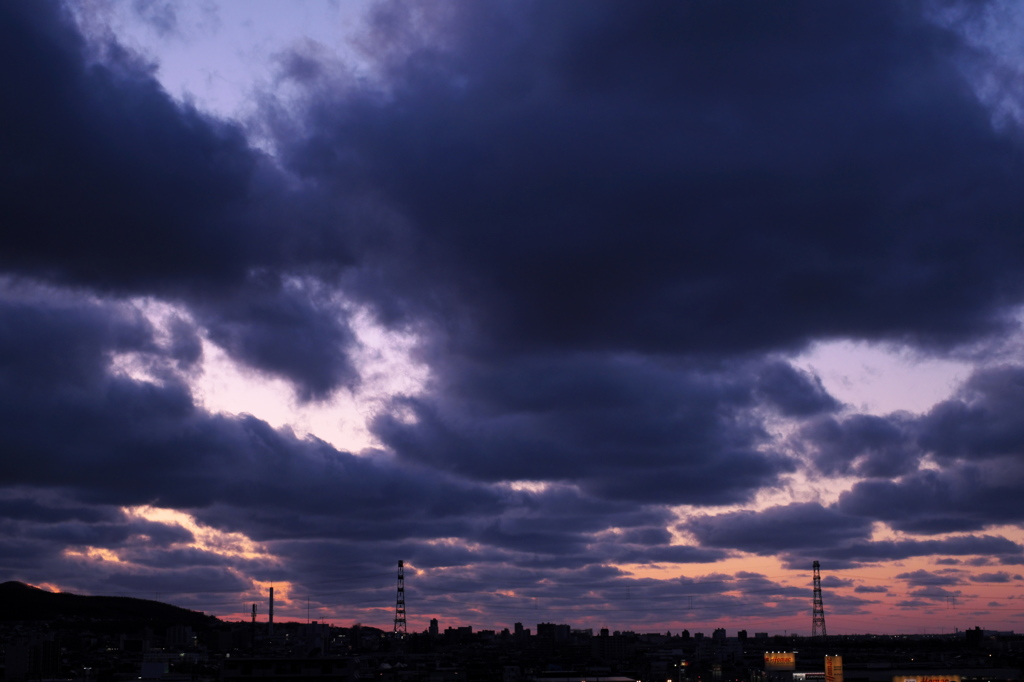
[23,602]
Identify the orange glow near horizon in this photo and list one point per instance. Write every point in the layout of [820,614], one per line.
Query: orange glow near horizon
[965,591]
[49,587]
[94,554]
[207,539]
[282,590]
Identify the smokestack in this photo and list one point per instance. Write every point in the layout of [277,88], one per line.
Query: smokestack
[270,626]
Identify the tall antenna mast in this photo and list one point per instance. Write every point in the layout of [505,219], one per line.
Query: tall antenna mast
[400,603]
[818,620]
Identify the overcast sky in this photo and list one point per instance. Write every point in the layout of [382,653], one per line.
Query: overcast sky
[610,314]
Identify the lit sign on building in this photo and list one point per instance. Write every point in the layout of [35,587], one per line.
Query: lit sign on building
[926,678]
[781,660]
[833,669]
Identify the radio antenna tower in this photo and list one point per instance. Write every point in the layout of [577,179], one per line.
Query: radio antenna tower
[400,603]
[818,621]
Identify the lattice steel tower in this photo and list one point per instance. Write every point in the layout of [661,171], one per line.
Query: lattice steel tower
[400,603]
[818,621]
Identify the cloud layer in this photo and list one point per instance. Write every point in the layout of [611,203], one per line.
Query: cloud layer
[608,230]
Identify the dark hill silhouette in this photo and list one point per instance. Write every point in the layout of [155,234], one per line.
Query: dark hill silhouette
[21,602]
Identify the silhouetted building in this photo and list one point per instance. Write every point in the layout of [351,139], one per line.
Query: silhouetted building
[179,637]
[973,637]
[555,632]
[33,659]
[610,649]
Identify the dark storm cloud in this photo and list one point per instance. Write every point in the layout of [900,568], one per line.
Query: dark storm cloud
[298,66]
[955,468]
[859,553]
[606,592]
[982,421]
[112,535]
[183,557]
[604,224]
[553,530]
[35,353]
[188,580]
[107,180]
[862,445]
[579,516]
[186,348]
[160,15]
[502,586]
[109,183]
[32,509]
[871,589]
[925,579]
[507,584]
[960,497]
[832,581]
[999,577]
[654,535]
[670,179]
[85,436]
[786,528]
[536,535]
[74,534]
[934,593]
[794,392]
[667,554]
[22,557]
[976,439]
[109,439]
[621,428]
[61,538]
[291,328]
[677,177]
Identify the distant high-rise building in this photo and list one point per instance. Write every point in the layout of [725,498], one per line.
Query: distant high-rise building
[180,636]
[557,632]
[270,613]
[433,627]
